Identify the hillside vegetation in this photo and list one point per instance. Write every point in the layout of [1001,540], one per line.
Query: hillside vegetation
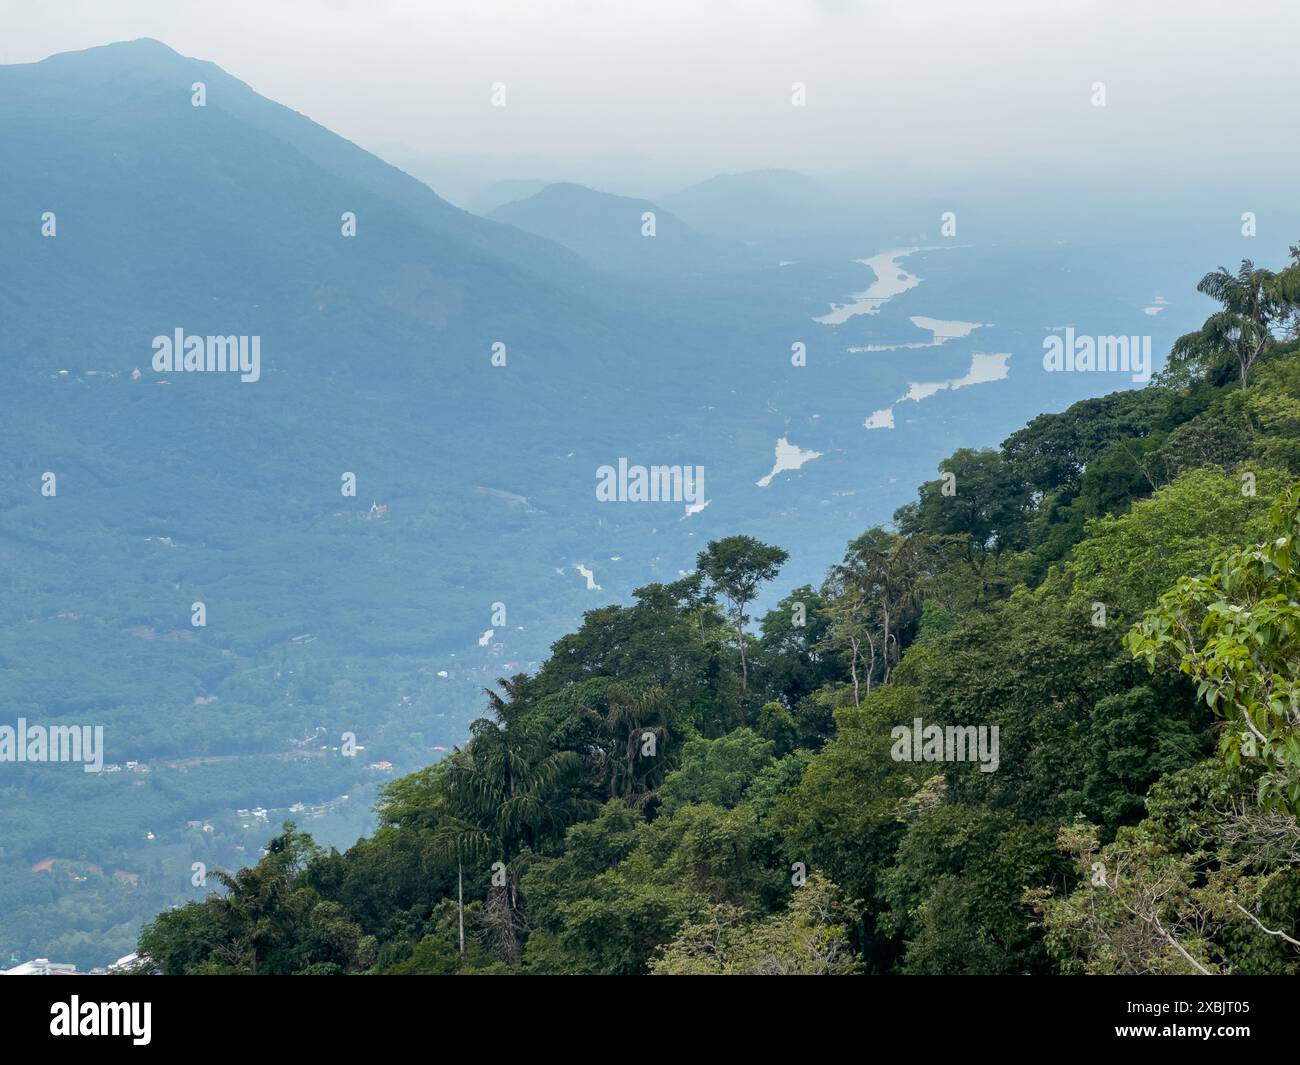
[1116,590]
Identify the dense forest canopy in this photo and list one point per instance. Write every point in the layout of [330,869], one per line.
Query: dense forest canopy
[1049,722]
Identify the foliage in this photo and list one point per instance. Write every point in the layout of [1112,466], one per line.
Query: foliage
[669,793]
[1236,632]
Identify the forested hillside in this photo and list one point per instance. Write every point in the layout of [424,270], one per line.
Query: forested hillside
[1110,601]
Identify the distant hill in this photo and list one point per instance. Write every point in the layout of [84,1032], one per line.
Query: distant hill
[500,193]
[147,82]
[606,230]
[759,203]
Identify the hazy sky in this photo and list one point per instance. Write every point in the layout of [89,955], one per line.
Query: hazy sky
[707,83]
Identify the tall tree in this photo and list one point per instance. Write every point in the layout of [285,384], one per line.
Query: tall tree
[1252,302]
[506,790]
[852,628]
[875,598]
[736,567]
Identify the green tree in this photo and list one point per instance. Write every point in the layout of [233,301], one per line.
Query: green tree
[954,893]
[790,661]
[981,498]
[851,631]
[736,567]
[1252,302]
[809,939]
[1236,632]
[506,790]
[1207,883]
[632,733]
[717,771]
[1127,560]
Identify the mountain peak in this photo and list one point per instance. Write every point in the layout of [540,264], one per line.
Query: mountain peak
[139,44]
[141,51]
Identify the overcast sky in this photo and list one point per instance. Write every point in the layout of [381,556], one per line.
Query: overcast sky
[707,83]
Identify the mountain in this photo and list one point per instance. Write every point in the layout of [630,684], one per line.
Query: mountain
[151,83]
[608,231]
[326,613]
[480,181]
[500,193]
[760,203]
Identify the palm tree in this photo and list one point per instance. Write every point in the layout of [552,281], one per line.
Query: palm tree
[513,704]
[630,717]
[1252,301]
[513,780]
[505,792]
[462,839]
